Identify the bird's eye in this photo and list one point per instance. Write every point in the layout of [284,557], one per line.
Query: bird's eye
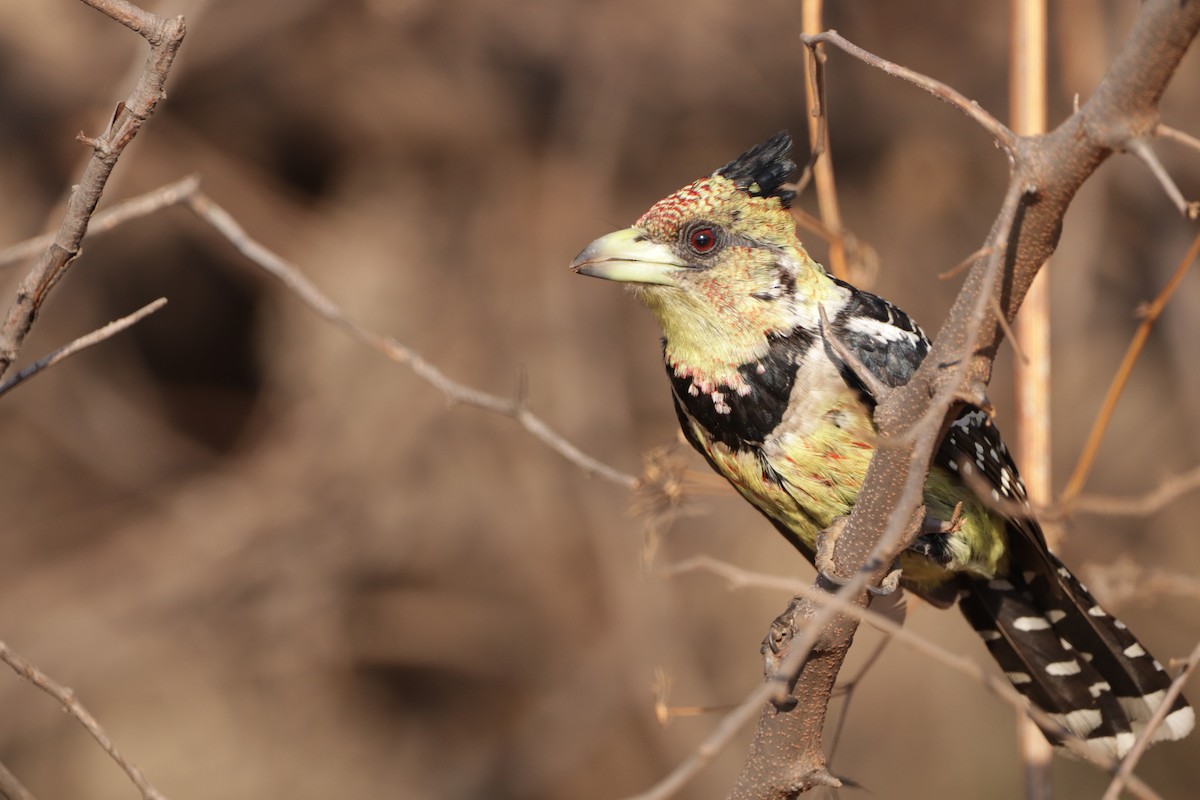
[702,240]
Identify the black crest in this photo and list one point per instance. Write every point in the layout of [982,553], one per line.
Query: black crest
[762,169]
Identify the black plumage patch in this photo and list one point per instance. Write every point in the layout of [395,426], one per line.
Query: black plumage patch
[893,352]
[762,169]
[743,421]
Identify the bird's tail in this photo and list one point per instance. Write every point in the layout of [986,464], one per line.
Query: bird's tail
[1067,655]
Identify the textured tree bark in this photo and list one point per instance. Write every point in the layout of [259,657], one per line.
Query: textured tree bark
[1047,172]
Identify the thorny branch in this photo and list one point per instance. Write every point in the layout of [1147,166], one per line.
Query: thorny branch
[1047,171]
[73,707]
[82,343]
[165,36]
[221,221]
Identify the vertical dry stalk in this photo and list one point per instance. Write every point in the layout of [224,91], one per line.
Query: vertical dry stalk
[812,13]
[1027,104]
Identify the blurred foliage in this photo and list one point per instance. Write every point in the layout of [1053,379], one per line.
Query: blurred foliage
[276,565]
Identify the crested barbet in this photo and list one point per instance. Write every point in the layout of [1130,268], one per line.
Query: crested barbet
[760,390]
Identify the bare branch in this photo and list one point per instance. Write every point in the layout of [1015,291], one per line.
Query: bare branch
[1158,498]
[818,134]
[1147,735]
[739,578]
[291,277]
[1183,138]
[1141,149]
[82,343]
[165,36]
[965,264]
[11,786]
[998,130]
[140,206]
[72,706]
[1150,316]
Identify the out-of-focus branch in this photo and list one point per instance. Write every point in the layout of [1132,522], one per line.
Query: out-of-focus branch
[72,706]
[1149,317]
[1031,339]
[1125,581]
[1141,149]
[82,343]
[811,14]
[291,277]
[1182,137]
[1166,492]
[165,36]
[739,578]
[998,130]
[11,786]
[140,206]
[1147,735]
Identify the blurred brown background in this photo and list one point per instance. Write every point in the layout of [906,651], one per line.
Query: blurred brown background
[276,565]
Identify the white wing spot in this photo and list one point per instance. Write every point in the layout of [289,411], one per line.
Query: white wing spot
[1096,688]
[1064,572]
[1065,644]
[1135,650]
[1097,611]
[1055,614]
[1118,624]
[1080,722]
[1031,623]
[989,635]
[1158,665]
[1063,668]
[1017,678]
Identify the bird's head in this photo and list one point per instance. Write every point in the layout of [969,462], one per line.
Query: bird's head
[719,264]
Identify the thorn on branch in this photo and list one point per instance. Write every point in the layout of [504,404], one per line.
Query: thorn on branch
[1141,148]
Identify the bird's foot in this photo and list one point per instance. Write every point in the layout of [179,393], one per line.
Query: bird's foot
[823,560]
[945,527]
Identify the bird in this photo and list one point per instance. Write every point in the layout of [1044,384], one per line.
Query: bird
[752,329]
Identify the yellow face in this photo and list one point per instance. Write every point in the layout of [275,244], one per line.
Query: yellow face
[721,268]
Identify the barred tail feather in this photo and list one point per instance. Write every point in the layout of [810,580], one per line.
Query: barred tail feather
[1072,659]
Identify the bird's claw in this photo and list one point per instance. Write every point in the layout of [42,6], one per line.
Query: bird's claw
[826,568]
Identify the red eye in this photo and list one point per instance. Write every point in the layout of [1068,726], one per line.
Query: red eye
[702,240]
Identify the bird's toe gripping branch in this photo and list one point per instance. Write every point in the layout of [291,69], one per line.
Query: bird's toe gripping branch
[827,569]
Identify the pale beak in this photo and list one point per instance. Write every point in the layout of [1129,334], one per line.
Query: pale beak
[630,257]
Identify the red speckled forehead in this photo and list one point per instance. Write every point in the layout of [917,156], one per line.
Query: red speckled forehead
[707,198]
[719,200]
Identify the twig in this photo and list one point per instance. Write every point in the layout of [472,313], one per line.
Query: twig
[1088,456]
[1176,135]
[965,264]
[11,786]
[1156,721]
[82,343]
[1162,495]
[72,706]
[1125,580]
[1142,149]
[818,134]
[291,277]
[165,36]
[999,131]
[140,206]
[739,578]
